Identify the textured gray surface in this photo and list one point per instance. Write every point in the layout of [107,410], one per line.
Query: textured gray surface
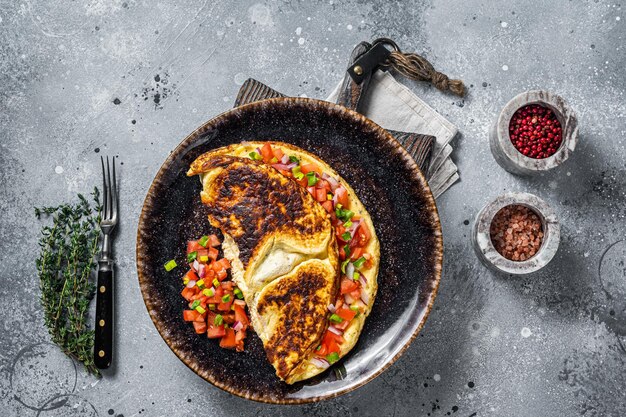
[549,344]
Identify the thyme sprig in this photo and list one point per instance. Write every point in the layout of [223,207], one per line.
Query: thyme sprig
[65,267]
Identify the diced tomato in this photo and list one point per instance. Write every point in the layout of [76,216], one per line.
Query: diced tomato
[267,153]
[190,315]
[362,235]
[229,318]
[193,246]
[188,293]
[339,339]
[278,153]
[306,168]
[304,181]
[225,306]
[356,294]
[213,253]
[322,351]
[201,253]
[228,341]
[228,286]
[324,185]
[342,253]
[239,337]
[224,263]
[320,195]
[222,274]
[215,332]
[200,327]
[214,241]
[209,275]
[330,342]
[339,230]
[343,325]
[328,206]
[348,285]
[191,275]
[346,313]
[240,316]
[356,253]
[339,302]
[311,191]
[217,297]
[342,197]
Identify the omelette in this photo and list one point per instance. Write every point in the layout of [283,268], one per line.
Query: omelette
[306,263]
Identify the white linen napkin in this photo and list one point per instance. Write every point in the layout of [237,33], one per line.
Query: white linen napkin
[393,106]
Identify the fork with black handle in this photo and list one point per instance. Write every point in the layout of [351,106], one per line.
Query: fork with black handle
[103,346]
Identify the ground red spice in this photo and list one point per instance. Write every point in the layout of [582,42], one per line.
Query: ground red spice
[535,131]
[516,232]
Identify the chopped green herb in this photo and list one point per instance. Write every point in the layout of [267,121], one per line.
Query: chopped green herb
[200,310]
[335,318]
[203,241]
[200,284]
[207,292]
[185,280]
[332,358]
[219,320]
[329,196]
[297,173]
[319,347]
[312,178]
[255,156]
[169,265]
[343,214]
[346,236]
[354,307]
[226,298]
[356,275]
[347,224]
[192,256]
[344,264]
[359,262]
[274,160]
[215,283]
[195,304]
[293,159]
[238,293]
[346,249]
[211,306]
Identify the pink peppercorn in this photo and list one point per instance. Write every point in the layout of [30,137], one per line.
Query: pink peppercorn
[535,131]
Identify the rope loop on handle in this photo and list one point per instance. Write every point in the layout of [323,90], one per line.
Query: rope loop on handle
[416,67]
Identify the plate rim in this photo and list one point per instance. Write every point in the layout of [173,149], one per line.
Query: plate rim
[417,175]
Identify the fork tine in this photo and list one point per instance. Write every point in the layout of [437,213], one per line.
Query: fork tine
[104,190]
[109,207]
[114,193]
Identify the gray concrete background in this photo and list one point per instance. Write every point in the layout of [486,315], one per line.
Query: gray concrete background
[549,344]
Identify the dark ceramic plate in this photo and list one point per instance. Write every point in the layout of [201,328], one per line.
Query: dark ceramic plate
[386,180]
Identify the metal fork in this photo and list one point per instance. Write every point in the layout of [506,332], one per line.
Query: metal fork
[103,343]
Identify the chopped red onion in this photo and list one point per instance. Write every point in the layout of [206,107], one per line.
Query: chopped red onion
[196,265]
[258,150]
[240,302]
[284,167]
[348,298]
[333,182]
[335,330]
[365,296]
[202,270]
[285,159]
[350,270]
[191,284]
[320,363]
[237,326]
[363,281]
[331,308]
